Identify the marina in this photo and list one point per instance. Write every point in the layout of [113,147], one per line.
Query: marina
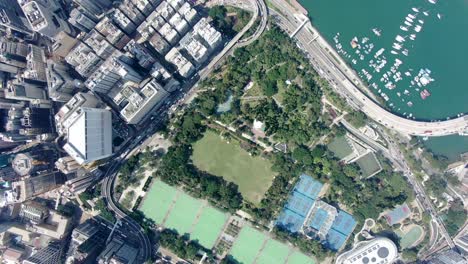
[403,55]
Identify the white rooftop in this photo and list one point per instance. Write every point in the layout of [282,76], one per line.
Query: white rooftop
[90,135]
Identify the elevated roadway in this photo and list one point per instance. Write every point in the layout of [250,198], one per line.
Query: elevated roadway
[149,127]
[346,82]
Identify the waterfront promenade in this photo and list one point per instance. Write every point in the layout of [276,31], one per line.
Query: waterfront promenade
[345,81]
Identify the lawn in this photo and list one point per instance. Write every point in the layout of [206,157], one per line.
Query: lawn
[208,227]
[273,252]
[247,245]
[299,258]
[183,214]
[253,175]
[158,201]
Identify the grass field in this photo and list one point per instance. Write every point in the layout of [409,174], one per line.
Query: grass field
[340,147]
[208,227]
[183,214]
[253,175]
[410,237]
[247,245]
[299,258]
[158,200]
[273,252]
[368,164]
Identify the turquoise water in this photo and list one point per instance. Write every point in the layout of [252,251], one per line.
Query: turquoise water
[440,46]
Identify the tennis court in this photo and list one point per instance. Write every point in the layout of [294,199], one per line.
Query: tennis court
[183,214]
[209,227]
[273,252]
[158,201]
[299,258]
[247,245]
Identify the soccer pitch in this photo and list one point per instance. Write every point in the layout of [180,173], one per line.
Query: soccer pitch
[183,214]
[273,252]
[247,245]
[299,258]
[253,175]
[208,227]
[158,201]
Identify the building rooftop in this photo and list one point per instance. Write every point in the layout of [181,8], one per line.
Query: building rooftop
[377,250]
[89,137]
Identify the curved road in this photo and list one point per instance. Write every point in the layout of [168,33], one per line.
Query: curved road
[262,11]
[336,71]
[121,155]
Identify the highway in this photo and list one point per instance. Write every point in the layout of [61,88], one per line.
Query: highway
[344,80]
[149,126]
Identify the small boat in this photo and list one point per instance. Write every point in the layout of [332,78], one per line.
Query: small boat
[408,24]
[399,94]
[432,1]
[406,92]
[400,38]
[417,28]
[411,16]
[439,16]
[424,94]
[397,46]
[426,13]
[405,52]
[379,52]
[410,104]
[354,42]
[409,19]
[394,52]
[403,28]
[377,32]
[421,21]
[415,9]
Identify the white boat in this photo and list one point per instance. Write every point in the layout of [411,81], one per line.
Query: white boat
[432,1]
[410,104]
[407,73]
[415,9]
[408,24]
[396,46]
[394,52]
[426,13]
[417,28]
[405,52]
[439,16]
[406,92]
[377,32]
[403,28]
[399,94]
[421,21]
[409,19]
[411,16]
[399,38]
[379,52]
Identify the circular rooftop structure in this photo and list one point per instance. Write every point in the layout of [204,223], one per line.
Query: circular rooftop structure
[378,250]
[22,164]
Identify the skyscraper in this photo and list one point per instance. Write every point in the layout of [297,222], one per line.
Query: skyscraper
[52,254]
[89,136]
[11,16]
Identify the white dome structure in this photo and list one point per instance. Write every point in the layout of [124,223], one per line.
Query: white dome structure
[375,251]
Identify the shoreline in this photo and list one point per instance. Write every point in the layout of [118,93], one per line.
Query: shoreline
[361,84]
[298,7]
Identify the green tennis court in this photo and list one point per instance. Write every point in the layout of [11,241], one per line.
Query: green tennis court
[158,201]
[209,227]
[299,258]
[183,214]
[247,245]
[273,252]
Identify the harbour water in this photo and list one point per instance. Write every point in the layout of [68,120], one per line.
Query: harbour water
[413,54]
